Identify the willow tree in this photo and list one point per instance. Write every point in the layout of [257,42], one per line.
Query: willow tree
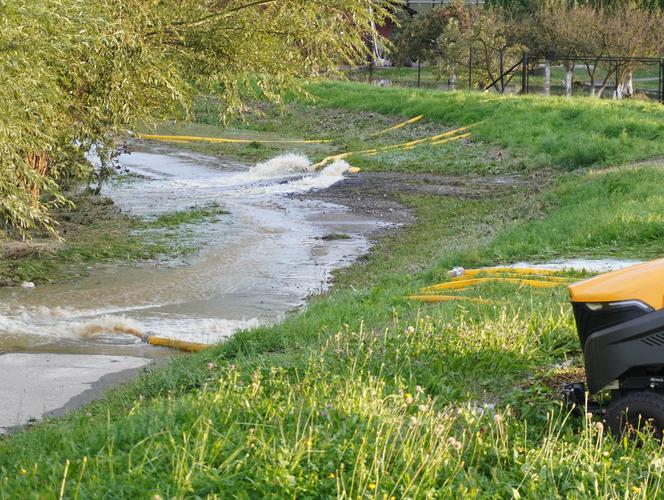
[74,73]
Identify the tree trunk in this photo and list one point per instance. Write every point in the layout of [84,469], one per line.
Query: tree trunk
[618,93]
[591,74]
[547,77]
[39,163]
[600,92]
[452,81]
[502,71]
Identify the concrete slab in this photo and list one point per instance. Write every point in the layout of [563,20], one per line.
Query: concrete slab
[34,386]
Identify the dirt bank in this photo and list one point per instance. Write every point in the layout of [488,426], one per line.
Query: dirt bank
[381,194]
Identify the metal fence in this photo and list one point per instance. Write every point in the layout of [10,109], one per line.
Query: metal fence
[527,73]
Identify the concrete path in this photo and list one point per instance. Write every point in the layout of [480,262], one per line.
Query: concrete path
[33,386]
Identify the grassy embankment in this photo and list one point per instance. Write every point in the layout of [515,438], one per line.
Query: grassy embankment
[365,394]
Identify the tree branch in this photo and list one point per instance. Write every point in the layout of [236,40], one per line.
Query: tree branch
[223,13]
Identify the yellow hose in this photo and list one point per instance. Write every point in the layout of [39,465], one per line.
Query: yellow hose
[398,126]
[175,344]
[193,138]
[403,145]
[447,298]
[152,339]
[556,279]
[453,285]
[517,270]
[449,139]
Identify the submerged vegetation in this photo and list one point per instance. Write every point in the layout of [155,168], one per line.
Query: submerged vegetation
[192,215]
[366,394]
[96,232]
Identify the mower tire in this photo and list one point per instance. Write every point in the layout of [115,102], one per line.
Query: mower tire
[642,410]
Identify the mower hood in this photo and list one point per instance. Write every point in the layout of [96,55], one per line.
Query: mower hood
[641,282]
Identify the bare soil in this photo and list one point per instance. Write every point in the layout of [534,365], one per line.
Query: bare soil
[380,194]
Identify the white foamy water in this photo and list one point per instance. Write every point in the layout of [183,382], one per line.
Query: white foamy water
[587,265]
[258,262]
[281,165]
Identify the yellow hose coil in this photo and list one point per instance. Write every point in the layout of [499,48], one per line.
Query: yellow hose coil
[517,270]
[556,279]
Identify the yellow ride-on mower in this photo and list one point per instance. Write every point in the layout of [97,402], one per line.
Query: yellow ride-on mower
[620,322]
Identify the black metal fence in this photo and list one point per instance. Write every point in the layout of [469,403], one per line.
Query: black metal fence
[527,73]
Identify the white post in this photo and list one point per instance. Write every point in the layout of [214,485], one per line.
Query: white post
[629,83]
[568,82]
[547,77]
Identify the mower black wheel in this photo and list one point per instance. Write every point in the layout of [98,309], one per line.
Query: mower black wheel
[642,410]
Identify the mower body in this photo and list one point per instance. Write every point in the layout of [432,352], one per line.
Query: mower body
[620,323]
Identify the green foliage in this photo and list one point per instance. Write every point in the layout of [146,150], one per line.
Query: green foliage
[418,35]
[73,74]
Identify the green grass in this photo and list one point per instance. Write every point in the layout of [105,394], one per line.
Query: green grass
[616,213]
[460,157]
[191,216]
[397,73]
[365,394]
[542,131]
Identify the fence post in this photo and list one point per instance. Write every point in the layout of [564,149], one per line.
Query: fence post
[502,73]
[524,73]
[661,81]
[470,67]
[419,71]
[371,71]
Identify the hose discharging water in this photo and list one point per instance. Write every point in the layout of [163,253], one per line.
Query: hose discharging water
[150,338]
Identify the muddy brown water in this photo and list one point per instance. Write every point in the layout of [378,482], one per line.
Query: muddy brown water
[264,258]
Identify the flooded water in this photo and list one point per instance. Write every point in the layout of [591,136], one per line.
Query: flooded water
[259,261]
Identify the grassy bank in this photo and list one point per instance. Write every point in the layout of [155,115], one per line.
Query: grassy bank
[368,395]
[510,133]
[553,131]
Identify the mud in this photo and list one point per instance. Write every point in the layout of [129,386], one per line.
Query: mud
[380,194]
